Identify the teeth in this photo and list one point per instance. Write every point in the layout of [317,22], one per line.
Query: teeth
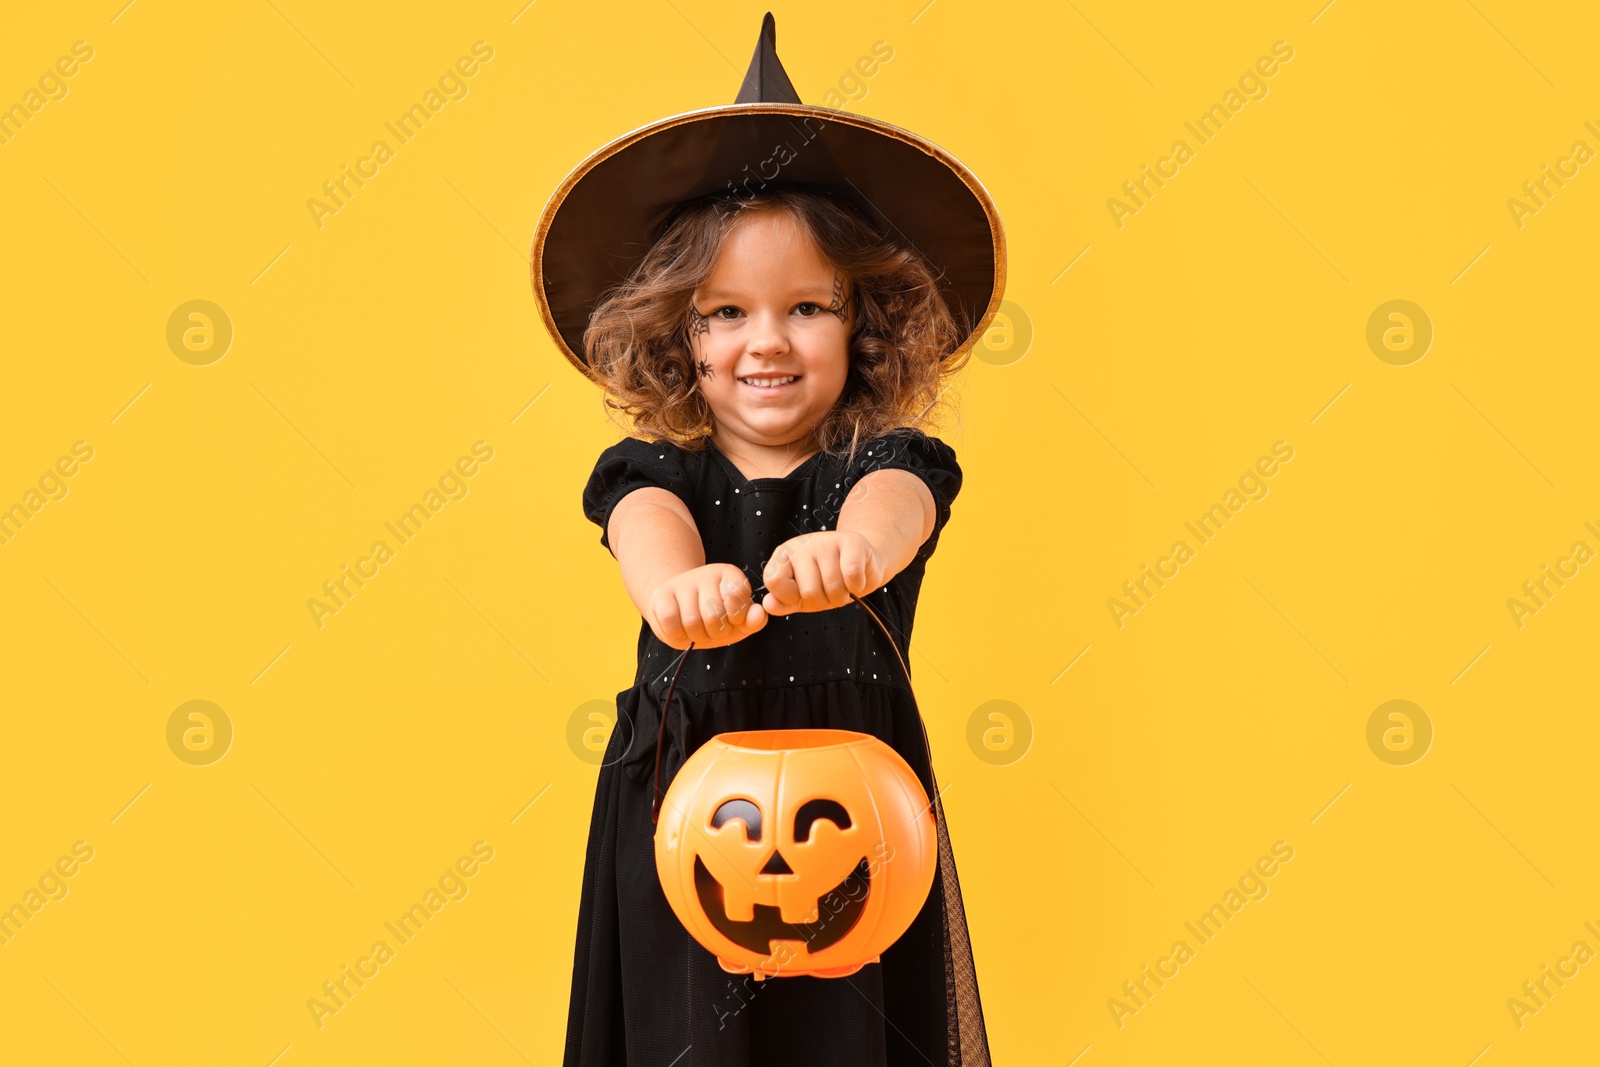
[769,381]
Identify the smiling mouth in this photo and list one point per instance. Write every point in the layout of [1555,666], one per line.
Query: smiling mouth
[770,384]
[767,923]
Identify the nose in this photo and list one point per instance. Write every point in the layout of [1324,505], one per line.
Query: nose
[767,335]
[776,865]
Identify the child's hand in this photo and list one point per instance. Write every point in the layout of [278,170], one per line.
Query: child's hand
[819,570]
[708,605]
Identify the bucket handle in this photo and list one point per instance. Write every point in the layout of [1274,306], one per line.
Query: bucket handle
[666,706]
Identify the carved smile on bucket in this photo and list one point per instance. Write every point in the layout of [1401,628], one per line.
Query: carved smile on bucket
[767,925]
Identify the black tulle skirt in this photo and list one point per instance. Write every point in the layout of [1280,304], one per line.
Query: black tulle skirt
[645,993]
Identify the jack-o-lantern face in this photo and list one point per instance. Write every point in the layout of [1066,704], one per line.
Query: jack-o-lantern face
[795,851]
[767,924]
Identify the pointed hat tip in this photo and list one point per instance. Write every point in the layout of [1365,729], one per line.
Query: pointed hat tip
[766,81]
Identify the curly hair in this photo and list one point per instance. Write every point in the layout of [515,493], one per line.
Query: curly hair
[637,343]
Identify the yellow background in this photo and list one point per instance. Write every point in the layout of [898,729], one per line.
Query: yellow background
[428,714]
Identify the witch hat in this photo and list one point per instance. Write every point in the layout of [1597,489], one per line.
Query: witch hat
[603,218]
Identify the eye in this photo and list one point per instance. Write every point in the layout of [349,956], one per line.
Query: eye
[718,314]
[743,810]
[808,304]
[813,810]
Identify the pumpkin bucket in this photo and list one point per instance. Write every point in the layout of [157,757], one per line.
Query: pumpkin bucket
[790,852]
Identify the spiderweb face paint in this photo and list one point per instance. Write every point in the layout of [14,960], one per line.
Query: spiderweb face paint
[840,301]
[699,325]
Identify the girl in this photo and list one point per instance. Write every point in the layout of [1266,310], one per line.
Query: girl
[775,345]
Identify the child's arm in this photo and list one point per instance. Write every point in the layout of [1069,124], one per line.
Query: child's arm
[664,570]
[885,520]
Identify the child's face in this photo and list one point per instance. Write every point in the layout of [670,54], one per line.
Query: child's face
[772,307]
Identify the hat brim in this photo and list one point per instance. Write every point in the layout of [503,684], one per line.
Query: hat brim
[602,219]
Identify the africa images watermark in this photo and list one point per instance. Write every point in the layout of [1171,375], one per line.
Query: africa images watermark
[52,885]
[52,86]
[338,992]
[452,85]
[52,486]
[1252,86]
[807,127]
[1252,885]
[1536,992]
[853,87]
[1538,590]
[1252,486]
[452,485]
[1538,192]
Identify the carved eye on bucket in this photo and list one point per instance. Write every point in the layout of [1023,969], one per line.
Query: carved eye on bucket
[744,811]
[812,810]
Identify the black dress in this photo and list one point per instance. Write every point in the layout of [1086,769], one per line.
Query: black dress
[644,992]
